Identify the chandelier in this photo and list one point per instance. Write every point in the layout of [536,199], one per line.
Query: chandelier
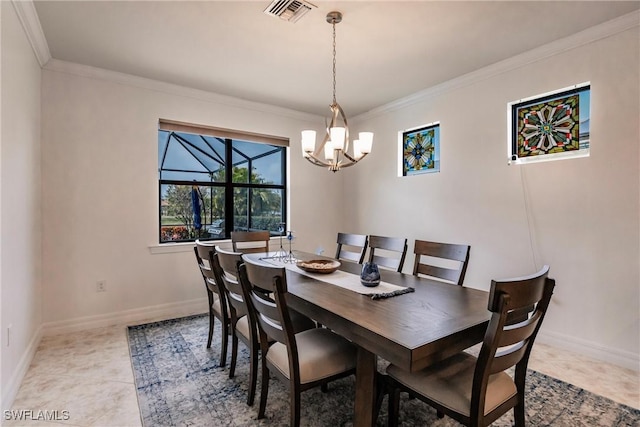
[335,145]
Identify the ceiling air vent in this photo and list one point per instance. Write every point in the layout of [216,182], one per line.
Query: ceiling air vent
[289,10]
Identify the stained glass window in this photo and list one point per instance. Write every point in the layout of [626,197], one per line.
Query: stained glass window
[420,149]
[551,126]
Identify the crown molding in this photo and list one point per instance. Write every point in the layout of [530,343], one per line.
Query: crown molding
[87,71]
[26,11]
[590,35]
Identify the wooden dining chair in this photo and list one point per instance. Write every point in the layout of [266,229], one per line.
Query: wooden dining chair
[218,306]
[388,244]
[226,266]
[357,246]
[250,241]
[301,360]
[457,254]
[242,319]
[478,391]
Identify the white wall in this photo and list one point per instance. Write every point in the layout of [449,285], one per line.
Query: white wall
[100,189]
[584,217]
[100,201]
[20,226]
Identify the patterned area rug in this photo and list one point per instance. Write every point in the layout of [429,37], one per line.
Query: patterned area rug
[179,383]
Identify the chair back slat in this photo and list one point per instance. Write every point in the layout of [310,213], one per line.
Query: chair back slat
[387,262]
[227,264]
[391,244]
[202,252]
[504,359]
[442,273]
[452,252]
[250,241]
[441,250]
[204,255]
[356,247]
[523,292]
[350,256]
[262,278]
[268,317]
[518,332]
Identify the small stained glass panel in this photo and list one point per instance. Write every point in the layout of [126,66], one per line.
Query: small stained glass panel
[421,150]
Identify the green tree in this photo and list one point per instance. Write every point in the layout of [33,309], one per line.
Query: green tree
[179,198]
[265,206]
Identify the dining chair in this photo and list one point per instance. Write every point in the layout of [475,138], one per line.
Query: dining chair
[250,241]
[390,244]
[301,360]
[218,306]
[226,266]
[243,321]
[353,241]
[455,254]
[478,391]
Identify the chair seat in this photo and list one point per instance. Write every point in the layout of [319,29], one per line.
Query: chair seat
[449,383]
[216,305]
[321,354]
[242,327]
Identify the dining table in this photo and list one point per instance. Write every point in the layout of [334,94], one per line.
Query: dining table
[412,330]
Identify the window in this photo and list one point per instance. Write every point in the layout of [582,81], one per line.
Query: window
[419,150]
[551,126]
[214,181]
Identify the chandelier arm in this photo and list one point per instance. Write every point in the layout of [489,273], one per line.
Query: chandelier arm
[320,148]
[335,110]
[346,165]
[352,159]
[346,126]
[316,161]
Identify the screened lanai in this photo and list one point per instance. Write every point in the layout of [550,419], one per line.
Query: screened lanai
[210,185]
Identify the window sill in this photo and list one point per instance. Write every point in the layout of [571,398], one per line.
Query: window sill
[169,248]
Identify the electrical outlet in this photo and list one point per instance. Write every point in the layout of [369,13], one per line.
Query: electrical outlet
[101,286]
[9,335]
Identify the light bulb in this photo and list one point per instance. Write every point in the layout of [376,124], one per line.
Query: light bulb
[366,140]
[337,137]
[308,141]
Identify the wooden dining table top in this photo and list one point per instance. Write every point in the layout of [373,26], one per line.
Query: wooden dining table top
[411,330]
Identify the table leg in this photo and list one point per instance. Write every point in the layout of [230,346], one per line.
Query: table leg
[365,389]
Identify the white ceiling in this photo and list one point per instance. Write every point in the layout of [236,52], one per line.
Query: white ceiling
[385,49]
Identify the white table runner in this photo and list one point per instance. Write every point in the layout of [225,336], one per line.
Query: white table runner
[346,280]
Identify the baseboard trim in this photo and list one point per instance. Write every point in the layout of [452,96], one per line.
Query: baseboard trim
[15,381]
[127,317]
[625,359]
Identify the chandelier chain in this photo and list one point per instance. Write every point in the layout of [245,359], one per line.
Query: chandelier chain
[334,62]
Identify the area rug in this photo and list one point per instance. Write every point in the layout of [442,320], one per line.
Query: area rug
[179,383]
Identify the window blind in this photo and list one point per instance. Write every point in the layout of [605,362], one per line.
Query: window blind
[175,126]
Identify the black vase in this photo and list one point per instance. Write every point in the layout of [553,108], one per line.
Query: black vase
[370,276]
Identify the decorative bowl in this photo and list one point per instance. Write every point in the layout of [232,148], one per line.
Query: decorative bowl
[322,266]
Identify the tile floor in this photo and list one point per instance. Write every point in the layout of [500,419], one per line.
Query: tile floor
[89,374]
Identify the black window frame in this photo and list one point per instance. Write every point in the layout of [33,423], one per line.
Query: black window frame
[228,185]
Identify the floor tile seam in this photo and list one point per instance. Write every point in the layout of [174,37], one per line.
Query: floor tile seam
[84,377]
[105,416]
[66,423]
